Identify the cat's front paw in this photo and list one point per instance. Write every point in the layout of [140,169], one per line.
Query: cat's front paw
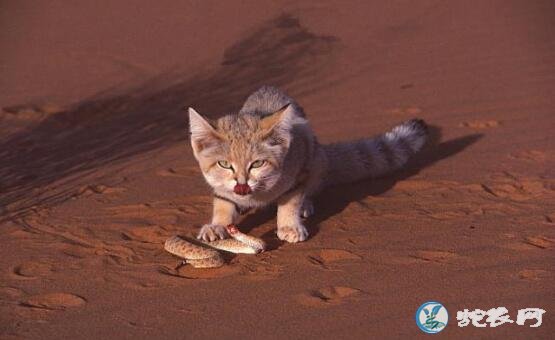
[292,234]
[212,232]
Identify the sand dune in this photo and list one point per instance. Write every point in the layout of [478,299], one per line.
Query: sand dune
[96,170]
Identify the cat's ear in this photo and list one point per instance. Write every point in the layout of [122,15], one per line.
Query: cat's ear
[277,126]
[203,134]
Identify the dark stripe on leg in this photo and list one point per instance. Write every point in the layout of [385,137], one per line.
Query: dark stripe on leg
[386,151]
[364,155]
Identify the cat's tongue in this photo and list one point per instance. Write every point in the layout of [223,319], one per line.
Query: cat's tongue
[242,189]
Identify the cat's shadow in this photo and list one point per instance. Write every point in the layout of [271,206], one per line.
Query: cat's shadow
[334,200]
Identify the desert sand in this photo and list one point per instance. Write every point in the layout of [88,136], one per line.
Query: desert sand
[96,170]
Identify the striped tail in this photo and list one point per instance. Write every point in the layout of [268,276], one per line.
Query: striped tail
[375,157]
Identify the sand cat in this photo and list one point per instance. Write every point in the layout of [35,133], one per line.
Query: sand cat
[267,153]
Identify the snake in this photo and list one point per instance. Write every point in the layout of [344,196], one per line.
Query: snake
[206,254]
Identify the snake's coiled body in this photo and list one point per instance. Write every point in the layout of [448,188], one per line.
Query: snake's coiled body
[206,255]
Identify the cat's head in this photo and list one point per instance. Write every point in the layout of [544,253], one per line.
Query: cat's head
[242,154]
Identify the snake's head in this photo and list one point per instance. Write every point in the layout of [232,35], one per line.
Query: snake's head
[232,229]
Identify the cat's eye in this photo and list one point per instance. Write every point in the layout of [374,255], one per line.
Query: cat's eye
[257,164]
[225,165]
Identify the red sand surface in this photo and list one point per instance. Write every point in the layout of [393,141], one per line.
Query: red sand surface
[96,170]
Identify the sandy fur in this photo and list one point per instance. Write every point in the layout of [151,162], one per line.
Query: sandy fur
[272,127]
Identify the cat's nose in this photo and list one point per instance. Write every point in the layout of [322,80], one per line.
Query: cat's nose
[242,189]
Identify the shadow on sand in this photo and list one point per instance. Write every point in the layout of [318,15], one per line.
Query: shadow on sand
[45,164]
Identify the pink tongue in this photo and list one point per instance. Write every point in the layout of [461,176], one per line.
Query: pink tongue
[242,189]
